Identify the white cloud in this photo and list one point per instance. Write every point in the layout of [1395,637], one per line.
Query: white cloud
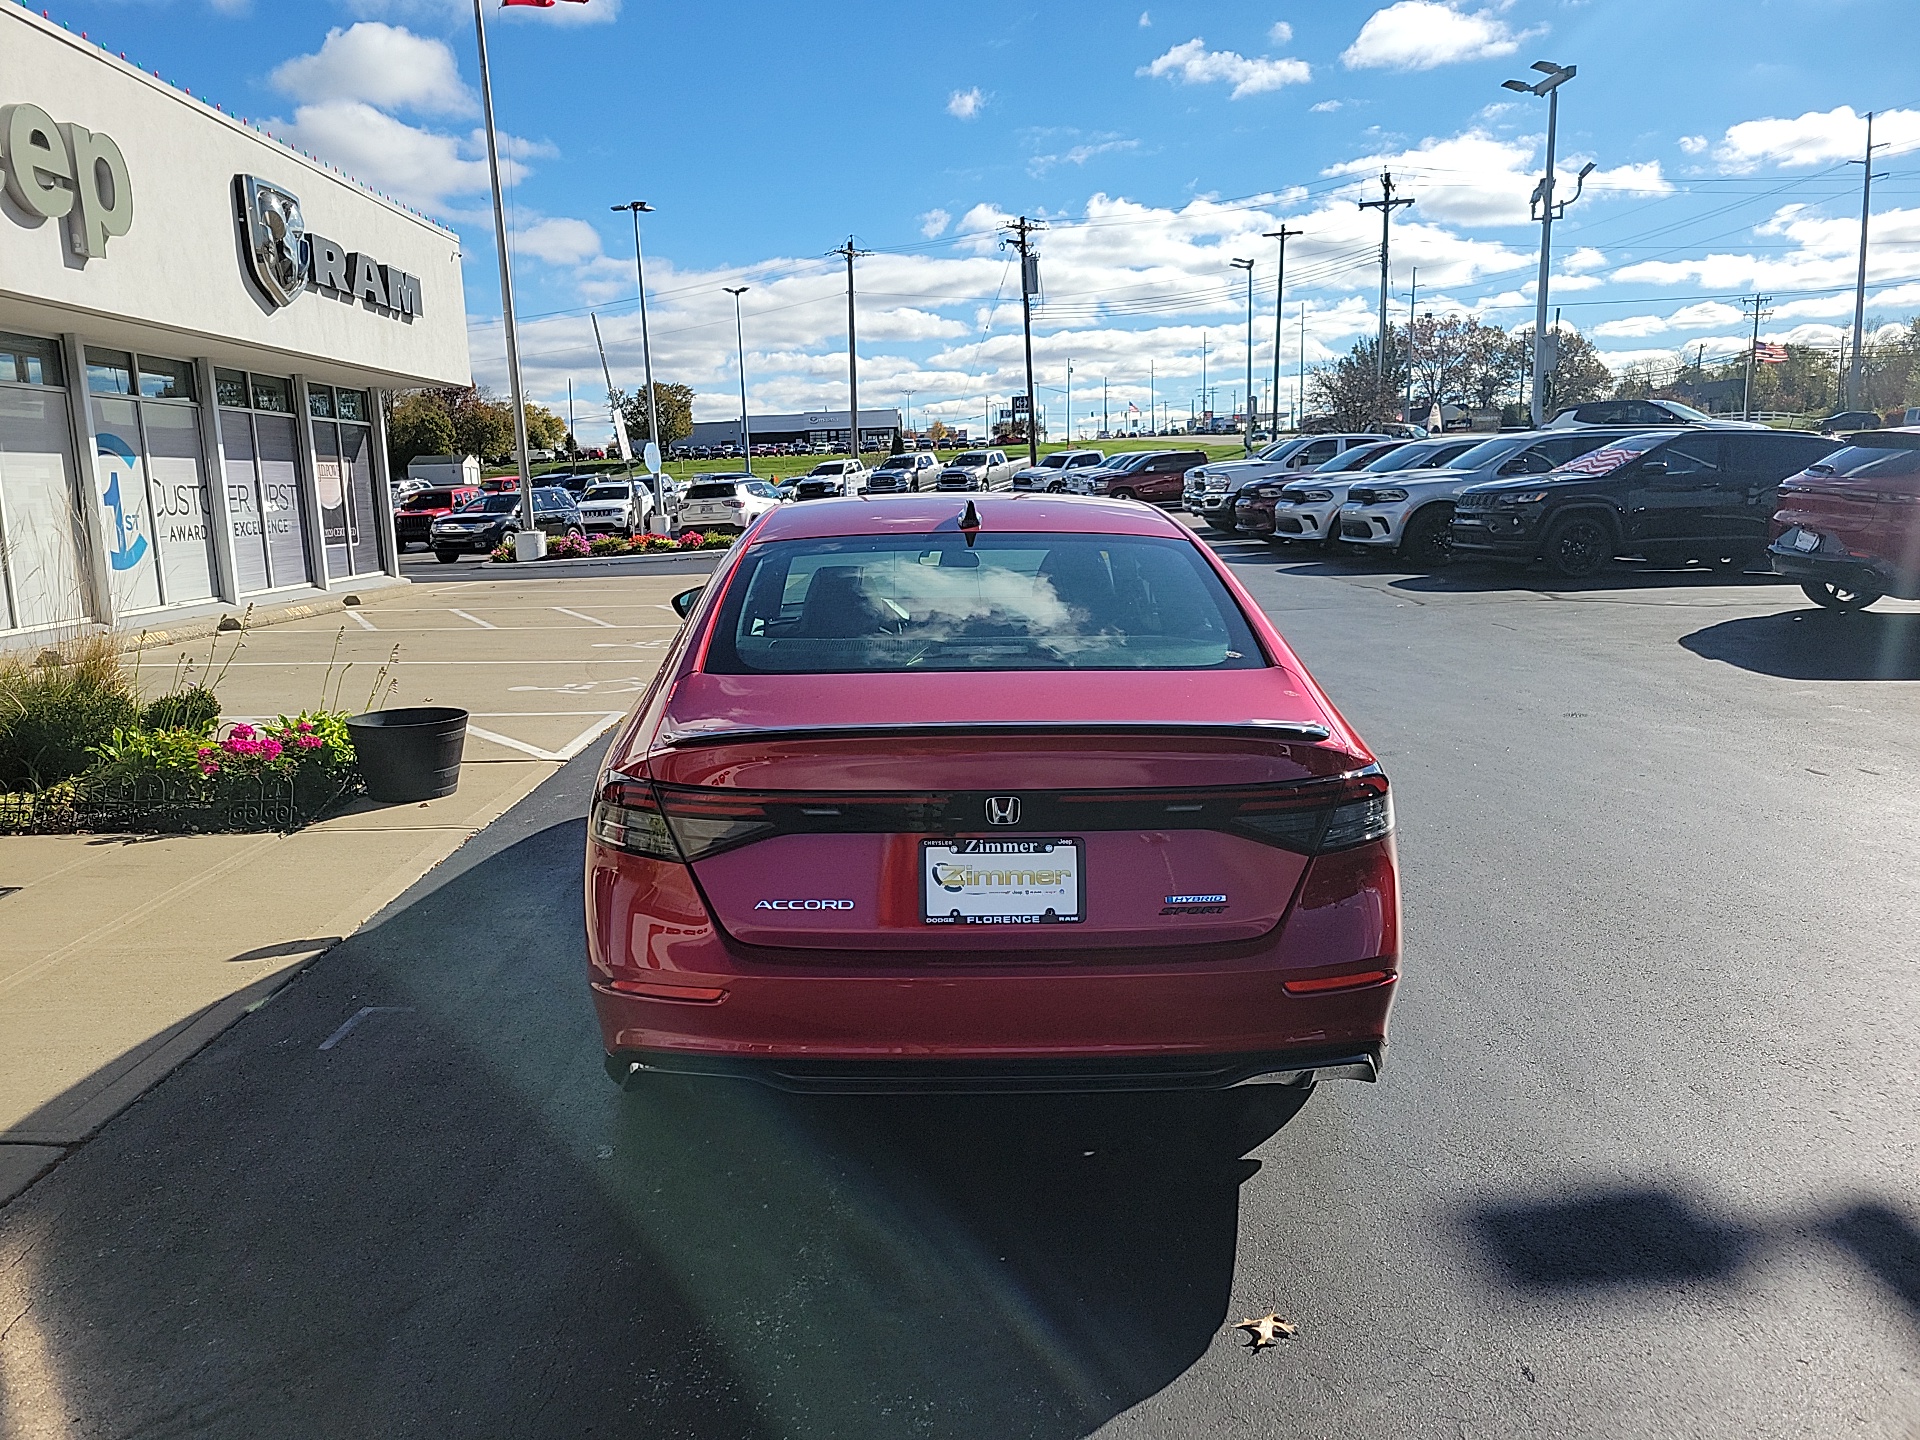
[1038,165]
[559,241]
[1325,107]
[1146,20]
[1815,138]
[934,223]
[1582,260]
[1476,178]
[1705,315]
[1194,64]
[1280,34]
[417,167]
[965,104]
[1423,34]
[231,7]
[383,65]
[1694,144]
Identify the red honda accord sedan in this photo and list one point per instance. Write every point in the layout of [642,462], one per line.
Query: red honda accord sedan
[1020,792]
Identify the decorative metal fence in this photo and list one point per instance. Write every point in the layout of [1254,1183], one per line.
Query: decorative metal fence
[157,806]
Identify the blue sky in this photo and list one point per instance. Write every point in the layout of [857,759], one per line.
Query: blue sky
[1158,142]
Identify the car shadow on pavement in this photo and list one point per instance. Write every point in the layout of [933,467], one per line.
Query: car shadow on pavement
[1815,644]
[450,1222]
[1473,578]
[1654,1237]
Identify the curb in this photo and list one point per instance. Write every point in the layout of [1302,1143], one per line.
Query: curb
[200,627]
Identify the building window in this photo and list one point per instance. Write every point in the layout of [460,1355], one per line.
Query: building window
[263,481]
[41,522]
[152,480]
[25,360]
[351,519]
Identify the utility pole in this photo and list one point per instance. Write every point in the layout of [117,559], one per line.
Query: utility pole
[1860,285]
[1106,424]
[1205,408]
[1386,205]
[1300,396]
[1153,400]
[1069,400]
[1413,296]
[1022,241]
[571,432]
[1759,313]
[619,421]
[1279,295]
[849,254]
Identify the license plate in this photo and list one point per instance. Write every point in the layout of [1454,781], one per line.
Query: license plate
[1002,882]
[1806,540]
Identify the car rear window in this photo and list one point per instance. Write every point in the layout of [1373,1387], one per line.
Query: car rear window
[428,500]
[499,504]
[902,603]
[1870,462]
[724,490]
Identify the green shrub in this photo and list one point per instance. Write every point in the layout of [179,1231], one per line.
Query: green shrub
[52,716]
[194,709]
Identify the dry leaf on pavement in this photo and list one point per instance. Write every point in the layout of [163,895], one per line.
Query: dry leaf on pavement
[1267,1330]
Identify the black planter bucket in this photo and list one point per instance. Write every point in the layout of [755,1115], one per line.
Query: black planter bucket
[411,754]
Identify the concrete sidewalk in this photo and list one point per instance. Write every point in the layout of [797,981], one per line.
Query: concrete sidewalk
[120,957]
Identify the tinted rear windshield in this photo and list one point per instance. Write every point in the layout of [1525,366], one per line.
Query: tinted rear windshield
[723,491]
[1869,461]
[428,500]
[499,504]
[873,604]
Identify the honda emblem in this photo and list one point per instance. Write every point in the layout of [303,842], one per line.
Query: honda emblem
[1003,810]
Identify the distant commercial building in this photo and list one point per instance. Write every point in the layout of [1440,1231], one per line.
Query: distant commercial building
[814,427]
[197,328]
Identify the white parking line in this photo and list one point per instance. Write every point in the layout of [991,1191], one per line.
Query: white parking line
[361,620]
[572,748]
[603,624]
[484,625]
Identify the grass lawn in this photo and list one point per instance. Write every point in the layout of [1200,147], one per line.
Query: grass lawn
[785,467]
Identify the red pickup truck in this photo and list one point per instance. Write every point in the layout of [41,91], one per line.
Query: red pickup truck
[1848,526]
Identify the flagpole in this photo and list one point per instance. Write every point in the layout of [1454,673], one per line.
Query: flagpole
[531,542]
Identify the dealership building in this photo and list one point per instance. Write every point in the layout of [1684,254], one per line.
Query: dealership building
[807,427]
[198,329]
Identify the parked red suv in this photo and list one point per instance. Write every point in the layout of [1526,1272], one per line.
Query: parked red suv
[413,521]
[1157,479]
[1848,526]
[1003,792]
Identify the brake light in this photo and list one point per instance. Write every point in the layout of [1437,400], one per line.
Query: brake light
[627,817]
[1321,984]
[734,504]
[1319,819]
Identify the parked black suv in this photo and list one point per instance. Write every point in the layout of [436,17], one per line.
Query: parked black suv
[1666,496]
[492,518]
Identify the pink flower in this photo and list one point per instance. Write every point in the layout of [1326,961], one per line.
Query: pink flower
[242,732]
[310,742]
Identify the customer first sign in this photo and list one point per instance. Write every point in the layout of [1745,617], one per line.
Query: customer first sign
[62,171]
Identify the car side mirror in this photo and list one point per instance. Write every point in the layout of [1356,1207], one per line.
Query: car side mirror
[684,602]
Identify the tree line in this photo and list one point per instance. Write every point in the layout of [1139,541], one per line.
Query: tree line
[472,420]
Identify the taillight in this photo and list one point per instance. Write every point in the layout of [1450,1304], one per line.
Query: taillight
[1315,819]
[627,817]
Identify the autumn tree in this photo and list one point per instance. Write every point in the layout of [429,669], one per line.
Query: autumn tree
[675,403]
[1354,393]
[545,430]
[419,424]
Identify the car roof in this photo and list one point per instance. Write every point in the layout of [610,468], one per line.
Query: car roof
[928,514]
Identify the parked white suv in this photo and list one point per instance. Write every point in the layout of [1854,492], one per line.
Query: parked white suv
[726,502]
[616,505]
[830,478]
[1212,489]
[1051,472]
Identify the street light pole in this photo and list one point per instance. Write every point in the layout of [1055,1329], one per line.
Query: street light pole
[638,208]
[1542,201]
[1860,284]
[1247,265]
[530,541]
[740,338]
[849,254]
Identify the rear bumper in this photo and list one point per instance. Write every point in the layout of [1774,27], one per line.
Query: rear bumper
[1299,1067]
[1848,572]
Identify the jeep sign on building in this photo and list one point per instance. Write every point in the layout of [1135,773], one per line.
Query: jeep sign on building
[197,329]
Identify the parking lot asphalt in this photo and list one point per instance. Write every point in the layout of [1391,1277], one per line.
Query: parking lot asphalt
[1641,1164]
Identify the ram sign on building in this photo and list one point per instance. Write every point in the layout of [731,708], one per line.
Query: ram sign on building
[197,327]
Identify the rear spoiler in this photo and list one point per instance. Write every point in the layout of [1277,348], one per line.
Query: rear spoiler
[721,732]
